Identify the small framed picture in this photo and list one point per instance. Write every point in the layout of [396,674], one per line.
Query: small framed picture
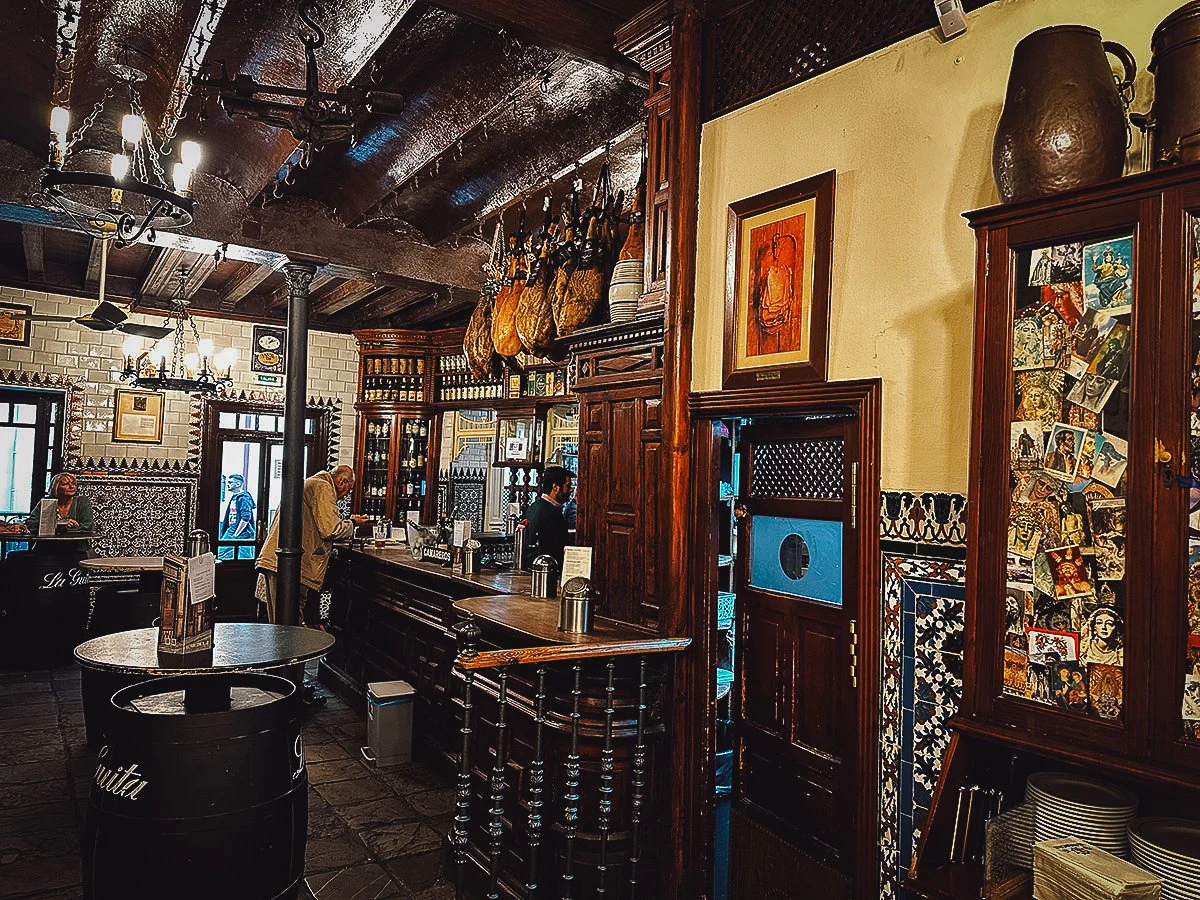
[779,251]
[137,417]
[14,330]
[270,348]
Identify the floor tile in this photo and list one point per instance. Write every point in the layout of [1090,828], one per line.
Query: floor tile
[342,793]
[418,871]
[363,817]
[363,882]
[315,753]
[47,873]
[28,773]
[335,852]
[400,839]
[21,796]
[437,802]
[336,770]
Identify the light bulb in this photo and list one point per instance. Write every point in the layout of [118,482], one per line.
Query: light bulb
[191,362]
[60,121]
[131,346]
[225,359]
[131,128]
[189,154]
[205,348]
[120,166]
[181,176]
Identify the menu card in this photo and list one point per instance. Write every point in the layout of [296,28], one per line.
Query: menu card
[577,561]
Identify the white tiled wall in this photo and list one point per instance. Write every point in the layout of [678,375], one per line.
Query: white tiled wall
[72,350]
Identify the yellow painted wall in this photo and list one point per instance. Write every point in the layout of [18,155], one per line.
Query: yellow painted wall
[909,131]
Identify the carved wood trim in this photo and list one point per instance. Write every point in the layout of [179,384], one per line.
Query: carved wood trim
[521,656]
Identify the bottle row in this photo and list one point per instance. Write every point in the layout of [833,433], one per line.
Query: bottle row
[391,393]
[394,365]
[452,363]
[450,391]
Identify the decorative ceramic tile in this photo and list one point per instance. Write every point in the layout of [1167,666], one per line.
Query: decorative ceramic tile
[140,514]
[934,518]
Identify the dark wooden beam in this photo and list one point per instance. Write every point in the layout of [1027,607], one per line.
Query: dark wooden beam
[387,303]
[439,307]
[161,274]
[567,25]
[91,275]
[342,296]
[34,240]
[242,282]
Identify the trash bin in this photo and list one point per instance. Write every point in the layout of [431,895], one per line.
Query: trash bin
[389,723]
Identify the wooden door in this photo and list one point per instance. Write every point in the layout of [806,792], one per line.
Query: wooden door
[795,719]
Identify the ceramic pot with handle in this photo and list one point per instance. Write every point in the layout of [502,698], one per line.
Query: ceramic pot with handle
[1064,121]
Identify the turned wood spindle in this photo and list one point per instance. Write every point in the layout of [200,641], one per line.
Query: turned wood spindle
[606,778]
[468,634]
[537,778]
[496,825]
[571,790]
[638,798]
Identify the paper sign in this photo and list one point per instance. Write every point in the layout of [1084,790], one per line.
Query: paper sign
[577,561]
[462,532]
[516,448]
[47,516]
[514,509]
[202,578]
[414,516]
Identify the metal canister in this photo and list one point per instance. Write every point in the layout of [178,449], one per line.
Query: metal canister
[575,606]
[1176,69]
[197,542]
[470,557]
[545,577]
[518,548]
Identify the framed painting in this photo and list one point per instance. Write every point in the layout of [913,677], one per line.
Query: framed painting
[268,354]
[137,417]
[14,330]
[778,261]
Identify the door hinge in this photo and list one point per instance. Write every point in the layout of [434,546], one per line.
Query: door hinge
[854,653]
[854,495]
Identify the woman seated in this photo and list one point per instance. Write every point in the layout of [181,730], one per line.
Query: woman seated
[74,510]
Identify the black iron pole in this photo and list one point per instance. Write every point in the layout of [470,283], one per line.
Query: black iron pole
[287,603]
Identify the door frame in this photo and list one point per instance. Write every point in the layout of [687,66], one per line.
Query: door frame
[862,397]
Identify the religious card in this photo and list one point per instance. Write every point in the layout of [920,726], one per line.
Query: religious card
[1066,263]
[1111,358]
[1040,396]
[1069,686]
[1090,333]
[1069,572]
[1106,690]
[1196,267]
[1062,451]
[1102,637]
[1097,491]
[1082,418]
[1066,300]
[1028,350]
[1052,614]
[1019,602]
[1193,654]
[1043,577]
[1091,392]
[1027,445]
[1056,340]
[1111,459]
[1040,267]
[1024,531]
[1052,646]
[1107,518]
[1016,672]
[1193,588]
[1108,276]
[1191,698]
[1037,682]
[1072,529]
[1087,456]
[1036,487]
[1075,367]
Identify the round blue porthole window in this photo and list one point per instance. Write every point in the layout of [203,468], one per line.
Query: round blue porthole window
[793,556]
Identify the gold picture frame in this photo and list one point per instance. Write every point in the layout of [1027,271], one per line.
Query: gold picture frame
[779,252]
[137,417]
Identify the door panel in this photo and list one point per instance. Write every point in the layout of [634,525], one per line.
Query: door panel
[795,722]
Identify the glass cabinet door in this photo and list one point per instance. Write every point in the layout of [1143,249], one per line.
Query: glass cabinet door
[1069,435]
[1191,668]
[377,449]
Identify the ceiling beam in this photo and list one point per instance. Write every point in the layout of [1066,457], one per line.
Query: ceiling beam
[34,239]
[242,282]
[91,275]
[279,298]
[161,274]
[438,307]
[567,25]
[342,296]
[387,303]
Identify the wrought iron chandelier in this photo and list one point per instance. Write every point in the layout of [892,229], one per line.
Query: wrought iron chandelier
[168,365]
[133,198]
[320,117]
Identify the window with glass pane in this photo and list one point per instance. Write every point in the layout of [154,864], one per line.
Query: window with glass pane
[30,452]
[1065,599]
[237,530]
[1191,685]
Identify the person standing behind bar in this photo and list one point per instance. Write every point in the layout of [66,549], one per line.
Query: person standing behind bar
[321,526]
[545,526]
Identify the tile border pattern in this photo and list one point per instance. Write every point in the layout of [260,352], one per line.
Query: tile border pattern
[923,560]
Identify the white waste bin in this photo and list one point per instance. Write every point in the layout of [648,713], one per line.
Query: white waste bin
[389,723]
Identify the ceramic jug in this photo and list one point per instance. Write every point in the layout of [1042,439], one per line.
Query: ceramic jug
[1063,124]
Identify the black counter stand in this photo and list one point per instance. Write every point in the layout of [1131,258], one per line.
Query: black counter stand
[43,605]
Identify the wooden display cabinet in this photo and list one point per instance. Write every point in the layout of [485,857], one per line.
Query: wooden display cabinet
[1080,638]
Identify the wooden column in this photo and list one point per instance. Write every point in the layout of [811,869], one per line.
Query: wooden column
[689,864]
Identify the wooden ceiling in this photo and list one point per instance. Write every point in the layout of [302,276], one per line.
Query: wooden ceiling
[500,100]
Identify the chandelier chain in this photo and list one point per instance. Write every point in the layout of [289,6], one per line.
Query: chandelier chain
[90,118]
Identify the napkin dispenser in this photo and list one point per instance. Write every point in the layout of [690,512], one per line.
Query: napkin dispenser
[575,602]
[545,578]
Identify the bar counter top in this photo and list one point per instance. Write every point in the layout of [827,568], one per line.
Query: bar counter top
[491,580]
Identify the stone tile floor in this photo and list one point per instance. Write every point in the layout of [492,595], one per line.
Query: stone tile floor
[371,835]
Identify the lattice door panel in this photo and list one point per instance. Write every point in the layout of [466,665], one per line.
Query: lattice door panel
[810,469]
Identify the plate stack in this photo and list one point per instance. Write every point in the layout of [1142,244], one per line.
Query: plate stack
[1170,848]
[1071,806]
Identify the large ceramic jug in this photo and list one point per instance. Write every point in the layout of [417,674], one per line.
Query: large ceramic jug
[1063,124]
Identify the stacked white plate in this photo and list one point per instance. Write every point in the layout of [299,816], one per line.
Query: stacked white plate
[1071,806]
[1170,848]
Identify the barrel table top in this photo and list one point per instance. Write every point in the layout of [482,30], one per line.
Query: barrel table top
[237,647]
[12,537]
[123,564]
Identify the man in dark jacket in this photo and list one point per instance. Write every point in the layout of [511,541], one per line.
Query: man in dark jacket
[545,527]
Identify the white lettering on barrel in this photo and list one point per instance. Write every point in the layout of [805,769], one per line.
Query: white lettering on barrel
[124,782]
[53,580]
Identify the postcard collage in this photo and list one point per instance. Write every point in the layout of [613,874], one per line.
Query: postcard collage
[1191,684]
[1065,601]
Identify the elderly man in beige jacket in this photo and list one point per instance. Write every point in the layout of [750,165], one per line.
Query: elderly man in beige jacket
[321,526]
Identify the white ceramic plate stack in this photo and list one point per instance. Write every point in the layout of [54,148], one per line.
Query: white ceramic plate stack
[1170,848]
[1071,806]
